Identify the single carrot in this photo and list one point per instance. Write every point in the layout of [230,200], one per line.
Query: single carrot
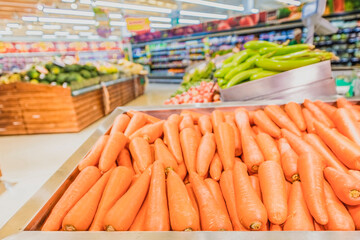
[136,168]
[217,117]
[149,132]
[293,110]
[137,121]
[205,153]
[157,215]
[355,174]
[347,124]
[257,130]
[194,115]
[318,113]
[216,167]
[163,155]
[192,197]
[141,153]
[250,209]
[311,169]
[288,188]
[225,142]
[318,227]
[183,214]
[124,159]
[309,120]
[152,150]
[122,214]
[212,216]
[345,186]
[176,118]
[299,217]
[254,179]
[198,133]
[355,214]
[266,124]
[251,117]
[297,143]
[140,219]
[275,227]
[115,144]
[189,146]
[228,191]
[265,227]
[149,118]
[268,147]
[273,189]
[281,118]
[329,157]
[344,103]
[118,183]
[346,150]
[289,160]
[82,183]
[205,124]
[182,171]
[215,190]
[186,122]
[339,218]
[80,216]
[120,123]
[326,108]
[231,121]
[171,133]
[93,156]
[134,179]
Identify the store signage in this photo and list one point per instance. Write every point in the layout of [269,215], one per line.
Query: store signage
[103,28]
[137,24]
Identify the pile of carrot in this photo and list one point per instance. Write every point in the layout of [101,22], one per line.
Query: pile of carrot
[282,168]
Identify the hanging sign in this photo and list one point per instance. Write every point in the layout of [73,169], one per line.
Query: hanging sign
[137,24]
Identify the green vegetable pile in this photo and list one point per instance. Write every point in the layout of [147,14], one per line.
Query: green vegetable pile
[263,59]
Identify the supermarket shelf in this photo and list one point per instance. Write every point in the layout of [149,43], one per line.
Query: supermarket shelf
[39,54]
[165,79]
[169,66]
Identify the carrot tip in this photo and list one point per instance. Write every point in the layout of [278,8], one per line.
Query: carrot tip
[188,230]
[354,193]
[255,226]
[167,170]
[255,168]
[222,229]
[69,228]
[110,228]
[147,138]
[295,177]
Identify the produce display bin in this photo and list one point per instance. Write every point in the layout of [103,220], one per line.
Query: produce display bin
[27,222]
[306,82]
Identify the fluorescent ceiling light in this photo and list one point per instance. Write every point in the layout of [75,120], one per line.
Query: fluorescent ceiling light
[117,23]
[133,7]
[34,33]
[159,19]
[254,10]
[40,7]
[93,37]
[85,33]
[72,37]
[61,33]
[202,14]
[290,2]
[46,36]
[74,6]
[5,32]
[29,19]
[188,21]
[115,15]
[13,25]
[81,28]
[160,25]
[67,20]
[51,27]
[214,4]
[68,1]
[85,1]
[69,12]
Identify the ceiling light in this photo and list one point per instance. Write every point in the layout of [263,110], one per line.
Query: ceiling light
[117,23]
[114,38]
[214,4]
[61,33]
[152,1]
[73,6]
[72,37]
[69,12]
[188,21]
[13,25]
[34,33]
[159,19]
[254,10]
[85,1]
[133,7]
[40,7]
[67,20]
[93,37]
[160,25]
[290,2]
[202,14]
[80,28]
[49,36]
[85,33]
[5,32]
[68,1]
[51,27]
[115,15]
[29,19]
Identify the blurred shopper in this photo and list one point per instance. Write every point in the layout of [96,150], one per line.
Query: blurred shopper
[297,37]
[237,47]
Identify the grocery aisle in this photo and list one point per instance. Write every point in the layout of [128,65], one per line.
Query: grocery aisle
[29,160]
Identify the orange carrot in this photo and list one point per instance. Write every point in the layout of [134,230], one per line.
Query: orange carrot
[186,122]
[254,179]
[318,227]
[93,156]
[198,133]
[124,159]
[181,171]
[136,168]
[189,146]
[205,153]
[79,218]
[355,174]
[141,153]
[345,186]
[343,103]
[228,191]
[299,217]
[136,122]
[309,120]
[288,188]
[149,118]
[82,183]
[205,124]
[250,209]
[176,118]
[194,115]
[257,130]
[120,123]
[135,178]
[251,117]
[157,215]
[297,143]
[215,190]
[293,110]
[275,227]
[171,133]
[266,124]
[183,215]
[115,144]
[347,124]
[225,141]
[312,180]
[216,118]
[281,118]
[192,197]
[288,160]
[139,221]
[318,114]
[231,121]
[326,108]
[118,183]
[163,155]
[273,189]
[149,132]
[212,216]
[216,168]
[355,214]
[122,214]
[339,218]
[268,147]
[346,150]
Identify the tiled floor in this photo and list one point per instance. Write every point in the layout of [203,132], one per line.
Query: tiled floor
[30,160]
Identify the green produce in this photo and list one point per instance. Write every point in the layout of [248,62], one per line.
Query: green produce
[55,70]
[50,77]
[229,59]
[75,77]
[33,74]
[306,54]
[256,45]
[291,49]
[242,56]
[278,65]
[94,73]
[62,77]
[249,63]
[48,66]
[224,70]
[266,50]
[262,74]
[242,76]
[85,74]
[221,82]
[283,13]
